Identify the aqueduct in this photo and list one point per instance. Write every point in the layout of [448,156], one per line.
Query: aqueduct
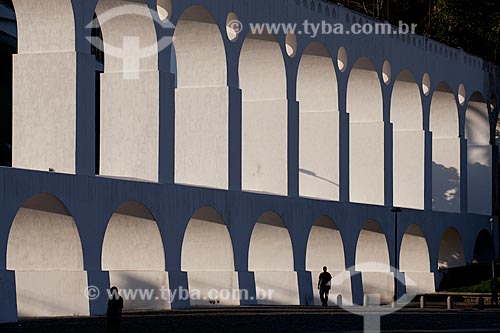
[230,159]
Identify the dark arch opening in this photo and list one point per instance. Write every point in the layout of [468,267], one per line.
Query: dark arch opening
[483,247]
[97,49]
[451,250]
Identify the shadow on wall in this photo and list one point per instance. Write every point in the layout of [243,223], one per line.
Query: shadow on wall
[314,174]
[445,187]
[141,290]
[483,248]
[446,183]
[480,116]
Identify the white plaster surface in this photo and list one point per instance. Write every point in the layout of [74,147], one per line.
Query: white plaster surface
[409,180]
[45,241]
[317,94]
[44,111]
[264,147]
[319,155]
[364,94]
[51,293]
[367,162]
[202,137]
[201,59]
[38,21]
[444,115]
[419,283]
[277,288]
[372,253]
[130,126]
[380,284]
[207,245]
[153,282]
[325,247]
[414,252]
[219,287]
[270,246]
[132,243]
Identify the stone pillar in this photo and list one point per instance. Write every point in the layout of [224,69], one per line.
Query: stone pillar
[293,148]
[388,148]
[8,302]
[235,126]
[344,135]
[235,116]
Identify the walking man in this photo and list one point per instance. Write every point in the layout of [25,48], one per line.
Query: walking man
[324,285]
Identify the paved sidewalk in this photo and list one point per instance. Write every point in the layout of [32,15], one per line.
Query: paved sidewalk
[271,319]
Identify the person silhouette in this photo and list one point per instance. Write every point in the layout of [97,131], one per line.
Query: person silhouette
[114,312]
[324,285]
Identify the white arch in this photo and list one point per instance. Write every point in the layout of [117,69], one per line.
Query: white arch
[114,28]
[45,76]
[372,253]
[132,240]
[414,261]
[477,125]
[479,156]
[202,101]
[199,50]
[44,236]
[483,247]
[414,252]
[129,91]
[270,245]
[262,69]
[445,150]
[451,250]
[36,31]
[444,112]
[317,94]
[265,115]
[207,244]
[372,260]
[325,246]
[364,93]
[366,148]
[44,248]
[408,142]
[208,259]
[406,103]
[133,253]
[270,257]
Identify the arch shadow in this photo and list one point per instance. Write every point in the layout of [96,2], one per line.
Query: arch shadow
[44,248]
[270,257]
[208,258]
